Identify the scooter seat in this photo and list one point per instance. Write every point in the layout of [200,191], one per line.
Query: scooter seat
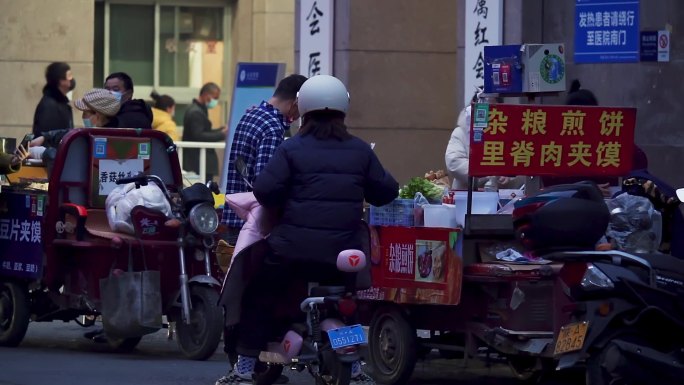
[325,291]
[664,262]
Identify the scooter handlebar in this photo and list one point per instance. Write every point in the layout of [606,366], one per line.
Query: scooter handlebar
[140,179]
[143,180]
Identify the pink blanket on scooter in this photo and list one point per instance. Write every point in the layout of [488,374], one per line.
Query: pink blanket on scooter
[258,222]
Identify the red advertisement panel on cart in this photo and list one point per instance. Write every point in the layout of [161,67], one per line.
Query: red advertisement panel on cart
[540,140]
[416,265]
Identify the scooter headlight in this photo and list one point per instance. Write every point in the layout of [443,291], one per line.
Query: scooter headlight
[203,219]
[596,279]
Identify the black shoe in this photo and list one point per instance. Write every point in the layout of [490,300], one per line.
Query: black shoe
[93,333]
[233,379]
[97,335]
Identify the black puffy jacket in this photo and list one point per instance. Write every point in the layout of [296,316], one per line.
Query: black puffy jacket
[197,128]
[320,186]
[134,113]
[52,113]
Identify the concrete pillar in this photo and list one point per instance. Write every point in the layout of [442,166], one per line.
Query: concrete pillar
[399,60]
[34,33]
[263,31]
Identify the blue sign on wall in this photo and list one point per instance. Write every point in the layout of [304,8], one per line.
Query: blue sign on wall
[649,46]
[607,31]
[254,82]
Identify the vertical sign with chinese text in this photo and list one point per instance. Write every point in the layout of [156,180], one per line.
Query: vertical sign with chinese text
[483,26]
[21,221]
[540,140]
[649,45]
[316,30]
[607,31]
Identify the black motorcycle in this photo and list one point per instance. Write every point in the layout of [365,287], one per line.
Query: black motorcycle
[626,318]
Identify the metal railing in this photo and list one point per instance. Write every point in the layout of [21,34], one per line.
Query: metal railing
[203,147]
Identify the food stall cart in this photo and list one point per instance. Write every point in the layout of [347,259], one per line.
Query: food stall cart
[464,290]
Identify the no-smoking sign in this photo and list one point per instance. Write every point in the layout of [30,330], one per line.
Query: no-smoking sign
[663,41]
[664,46]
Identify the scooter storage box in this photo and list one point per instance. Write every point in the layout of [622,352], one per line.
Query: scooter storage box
[564,217]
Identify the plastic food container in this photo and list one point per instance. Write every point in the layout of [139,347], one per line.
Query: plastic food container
[443,215]
[484,202]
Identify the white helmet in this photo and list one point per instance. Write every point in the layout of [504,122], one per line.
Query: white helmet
[322,92]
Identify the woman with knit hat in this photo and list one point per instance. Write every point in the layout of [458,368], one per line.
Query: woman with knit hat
[99,106]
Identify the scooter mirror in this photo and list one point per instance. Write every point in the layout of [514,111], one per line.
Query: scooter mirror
[213,187]
[680,194]
[241,166]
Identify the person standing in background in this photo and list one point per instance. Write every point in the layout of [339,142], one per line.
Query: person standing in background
[134,113]
[162,115]
[197,128]
[457,155]
[53,111]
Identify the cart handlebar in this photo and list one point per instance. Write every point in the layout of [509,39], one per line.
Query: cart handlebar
[143,180]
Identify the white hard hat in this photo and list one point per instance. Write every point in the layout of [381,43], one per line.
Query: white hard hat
[322,92]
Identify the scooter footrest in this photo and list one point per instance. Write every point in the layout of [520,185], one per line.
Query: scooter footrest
[273,358]
[307,357]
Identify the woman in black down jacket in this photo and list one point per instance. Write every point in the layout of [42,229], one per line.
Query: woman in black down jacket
[318,180]
[53,111]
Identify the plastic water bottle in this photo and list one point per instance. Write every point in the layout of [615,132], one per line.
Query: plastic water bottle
[491,184]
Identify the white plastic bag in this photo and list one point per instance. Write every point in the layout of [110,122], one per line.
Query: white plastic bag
[634,225]
[123,198]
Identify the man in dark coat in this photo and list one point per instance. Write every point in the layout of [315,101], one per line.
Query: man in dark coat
[134,113]
[53,111]
[197,128]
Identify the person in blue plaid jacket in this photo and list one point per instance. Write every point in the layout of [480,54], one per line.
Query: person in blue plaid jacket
[257,135]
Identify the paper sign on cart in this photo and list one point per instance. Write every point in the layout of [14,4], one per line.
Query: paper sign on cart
[112,170]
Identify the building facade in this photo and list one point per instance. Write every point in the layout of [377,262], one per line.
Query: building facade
[170,46]
[403,61]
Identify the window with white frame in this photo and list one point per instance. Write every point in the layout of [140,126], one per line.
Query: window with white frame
[171,46]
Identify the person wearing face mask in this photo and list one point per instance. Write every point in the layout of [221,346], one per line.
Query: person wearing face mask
[53,111]
[162,111]
[257,135]
[457,155]
[197,128]
[99,108]
[134,113]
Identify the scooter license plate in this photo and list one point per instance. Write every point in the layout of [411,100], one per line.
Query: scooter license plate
[571,337]
[346,336]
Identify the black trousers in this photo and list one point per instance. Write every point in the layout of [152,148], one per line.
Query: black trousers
[271,302]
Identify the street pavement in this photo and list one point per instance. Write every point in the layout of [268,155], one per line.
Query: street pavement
[58,354]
